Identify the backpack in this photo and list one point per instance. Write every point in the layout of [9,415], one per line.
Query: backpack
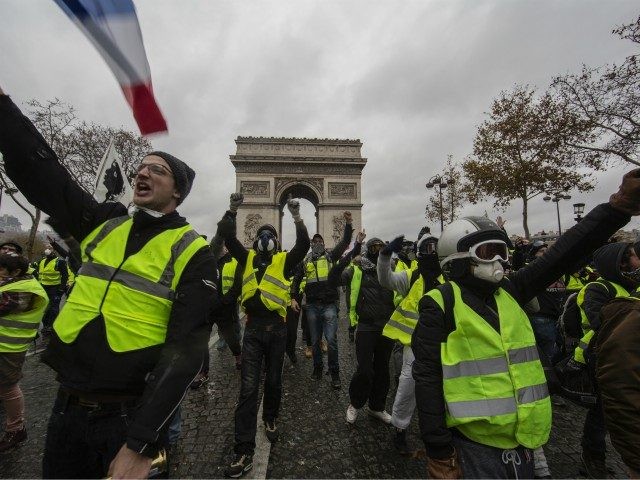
[576,380]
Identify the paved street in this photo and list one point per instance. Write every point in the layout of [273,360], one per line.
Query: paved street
[315,440]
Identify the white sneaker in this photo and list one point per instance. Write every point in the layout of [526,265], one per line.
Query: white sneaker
[352,414]
[383,416]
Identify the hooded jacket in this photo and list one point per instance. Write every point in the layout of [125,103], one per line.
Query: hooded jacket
[607,261]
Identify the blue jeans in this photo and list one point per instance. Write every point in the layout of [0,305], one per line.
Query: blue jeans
[323,318]
[259,344]
[546,332]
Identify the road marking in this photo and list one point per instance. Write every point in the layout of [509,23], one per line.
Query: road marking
[263,448]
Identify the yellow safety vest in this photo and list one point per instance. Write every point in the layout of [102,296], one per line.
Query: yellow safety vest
[354,291]
[405,317]
[588,332]
[228,274]
[494,384]
[317,271]
[134,294]
[574,283]
[47,273]
[72,277]
[274,287]
[17,330]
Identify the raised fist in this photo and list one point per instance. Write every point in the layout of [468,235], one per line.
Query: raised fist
[294,207]
[235,200]
[394,245]
[361,236]
[347,217]
[627,199]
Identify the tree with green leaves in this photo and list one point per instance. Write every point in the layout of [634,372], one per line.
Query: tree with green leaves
[525,148]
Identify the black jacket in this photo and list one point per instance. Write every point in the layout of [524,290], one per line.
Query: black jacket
[432,329]
[323,292]
[255,308]
[159,375]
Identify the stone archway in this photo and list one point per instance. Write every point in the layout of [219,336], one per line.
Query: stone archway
[325,172]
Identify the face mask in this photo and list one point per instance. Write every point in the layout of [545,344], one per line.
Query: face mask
[317,248]
[491,272]
[266,243]
[47,252]
[633,276]
[428,264]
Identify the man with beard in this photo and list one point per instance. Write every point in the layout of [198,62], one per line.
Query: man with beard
[481,392]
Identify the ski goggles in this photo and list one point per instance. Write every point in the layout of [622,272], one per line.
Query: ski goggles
[490,251]
[428,248]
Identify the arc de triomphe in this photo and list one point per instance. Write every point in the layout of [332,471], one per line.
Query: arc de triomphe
[324,171]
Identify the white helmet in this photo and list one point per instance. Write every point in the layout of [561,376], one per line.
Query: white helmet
[460,236]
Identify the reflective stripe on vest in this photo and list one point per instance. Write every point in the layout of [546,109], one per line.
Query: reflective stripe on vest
[317,271]
[274,287]
[47,273]
[405,317]
[17,330]
[134,295]
[354,291]
[587,331]
[494,384]
[228,275]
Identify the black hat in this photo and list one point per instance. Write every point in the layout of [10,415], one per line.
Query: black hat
[269,227]
[182,173]
[318,236]
[13,244]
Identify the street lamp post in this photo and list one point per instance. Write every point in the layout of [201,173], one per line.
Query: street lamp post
[556,197]
[578,210]
[438,182]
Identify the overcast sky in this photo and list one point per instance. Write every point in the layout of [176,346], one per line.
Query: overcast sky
[411,79]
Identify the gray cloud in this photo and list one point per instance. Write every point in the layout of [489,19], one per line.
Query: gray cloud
[410,79]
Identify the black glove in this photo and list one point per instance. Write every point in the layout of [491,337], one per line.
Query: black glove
[394,246]
[227,226]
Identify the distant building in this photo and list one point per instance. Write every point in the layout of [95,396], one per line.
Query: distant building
[9,223]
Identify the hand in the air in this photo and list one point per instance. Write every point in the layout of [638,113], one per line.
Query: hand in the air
[294,207]
[347,217]
[235,200]
[394,246]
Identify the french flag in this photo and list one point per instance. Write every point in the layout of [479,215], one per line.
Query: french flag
[113,28]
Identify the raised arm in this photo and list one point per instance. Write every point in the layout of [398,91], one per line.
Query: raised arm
[227,232]
[301,247]
[344,242]
[396,281]
[33,167]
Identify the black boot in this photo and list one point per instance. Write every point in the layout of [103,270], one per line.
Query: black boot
[593,465]
[400,442]
[317,373]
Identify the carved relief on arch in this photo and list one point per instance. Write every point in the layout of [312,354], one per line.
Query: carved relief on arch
[251,224]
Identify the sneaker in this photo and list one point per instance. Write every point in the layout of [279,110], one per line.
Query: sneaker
[317,373]
[271,430]
[335,380]
[383,416]
[308,352]
[352,414]
[593,466]
[241,464]
[12,439]
[323,346]
[200,380]
[400,442]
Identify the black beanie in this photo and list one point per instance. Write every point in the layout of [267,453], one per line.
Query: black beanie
[182,173]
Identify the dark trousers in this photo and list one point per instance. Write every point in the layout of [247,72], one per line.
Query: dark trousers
[81,442]
[371,379]
[306,332]
[53,292]
[259,344]
[293,318]
[482,461]
[595,431]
